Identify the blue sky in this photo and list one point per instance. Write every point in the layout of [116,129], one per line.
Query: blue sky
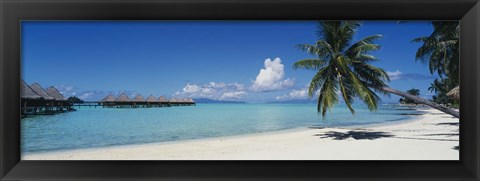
[225,60]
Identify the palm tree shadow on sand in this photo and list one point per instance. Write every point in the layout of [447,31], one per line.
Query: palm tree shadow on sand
[369,135]
[357,135]
[449,124]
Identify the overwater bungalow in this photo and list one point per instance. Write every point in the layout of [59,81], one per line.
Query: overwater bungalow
[60,103]
[173,102]
[152,101]
[123,101]
[139,101]
[163,101]
[108,101]
[46,104]
[186,102]
[181,102]
[29,99]
[37,88]
[36,100]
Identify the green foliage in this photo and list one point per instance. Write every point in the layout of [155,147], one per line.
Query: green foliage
[415,92]
[441,51]
[343,67]
[441,87]
[74,99]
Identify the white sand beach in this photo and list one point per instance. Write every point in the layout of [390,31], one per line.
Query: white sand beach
[432,136]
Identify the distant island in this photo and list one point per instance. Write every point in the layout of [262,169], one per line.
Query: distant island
[206,100]
[294,101]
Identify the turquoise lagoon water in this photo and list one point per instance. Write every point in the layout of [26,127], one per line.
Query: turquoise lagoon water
[99,127]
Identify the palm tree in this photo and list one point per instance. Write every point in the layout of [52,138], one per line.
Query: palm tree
[344,67]
[414,92]
[441,50]
[436,86]
[441,88]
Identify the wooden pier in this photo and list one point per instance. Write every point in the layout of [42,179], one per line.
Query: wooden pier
[93,104]
[123,101]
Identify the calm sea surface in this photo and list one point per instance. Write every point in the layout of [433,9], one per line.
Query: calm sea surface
[99,127]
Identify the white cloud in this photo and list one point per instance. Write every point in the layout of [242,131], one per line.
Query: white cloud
[394,75]
[216,85]
[295,94]
[271,77]
[69,90]
[194,90]
[397,75]
[191,88]
[213,90]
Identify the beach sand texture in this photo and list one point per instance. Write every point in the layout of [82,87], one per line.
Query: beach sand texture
[432,136]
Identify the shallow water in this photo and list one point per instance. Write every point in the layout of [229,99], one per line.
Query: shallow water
[98,127]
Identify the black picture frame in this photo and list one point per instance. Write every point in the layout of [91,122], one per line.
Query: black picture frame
[13,11]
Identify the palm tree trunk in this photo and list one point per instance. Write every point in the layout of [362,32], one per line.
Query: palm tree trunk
[423,101]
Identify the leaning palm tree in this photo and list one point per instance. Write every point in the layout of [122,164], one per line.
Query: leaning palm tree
[344,68]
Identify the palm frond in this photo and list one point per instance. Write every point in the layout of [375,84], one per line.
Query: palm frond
[364,45]
[310,49]
[347,93]
[365,58]
[325,47]
[309,64]
[363,92]
[327,96]
[318,80]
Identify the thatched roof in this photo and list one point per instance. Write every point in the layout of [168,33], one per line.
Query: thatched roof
[186,100]
[123,98]
[152,98]
[455,92]
[138,98]
[52,91]
[162,99]
[173,100]
[109,98]
[26,92]
[41,92]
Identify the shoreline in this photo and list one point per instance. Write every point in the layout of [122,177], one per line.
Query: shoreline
[411,118]
[377,141]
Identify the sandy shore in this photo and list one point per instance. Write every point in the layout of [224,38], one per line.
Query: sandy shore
[432,136]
